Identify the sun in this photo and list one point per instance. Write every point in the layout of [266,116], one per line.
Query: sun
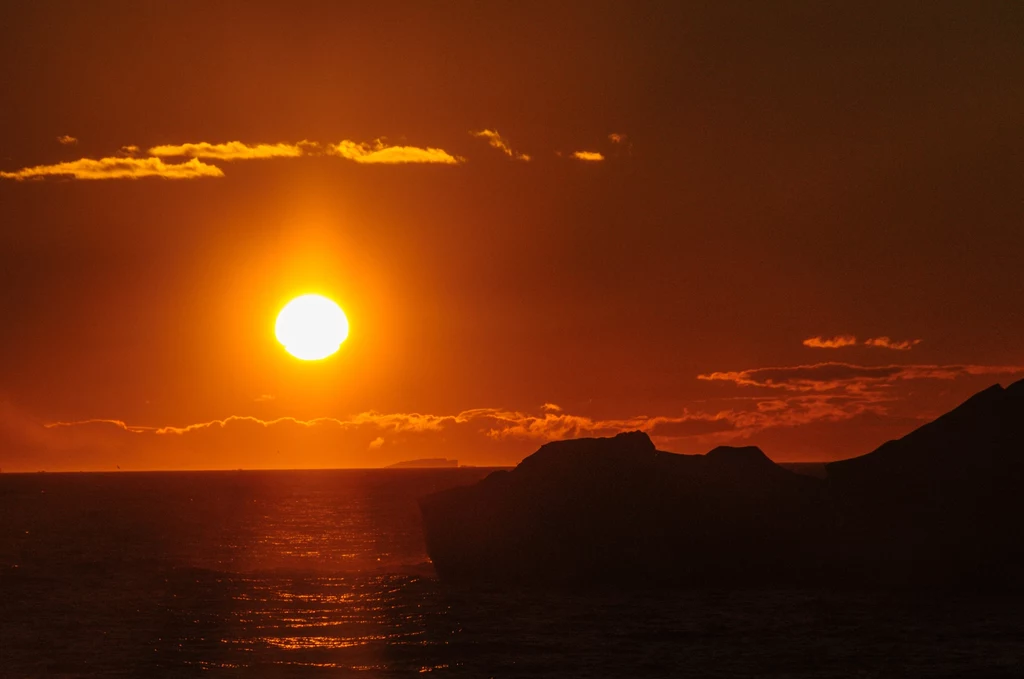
[311,327]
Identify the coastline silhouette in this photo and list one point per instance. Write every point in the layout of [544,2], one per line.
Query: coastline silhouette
[936,507]
[425,463]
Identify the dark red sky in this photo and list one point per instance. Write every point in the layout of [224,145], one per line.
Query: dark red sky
[785,172]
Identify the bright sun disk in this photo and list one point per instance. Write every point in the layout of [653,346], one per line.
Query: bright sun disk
[311,327]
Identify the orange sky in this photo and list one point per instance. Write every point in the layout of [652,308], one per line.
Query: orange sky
[797,227]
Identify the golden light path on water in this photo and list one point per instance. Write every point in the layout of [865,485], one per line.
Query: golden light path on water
[292,573]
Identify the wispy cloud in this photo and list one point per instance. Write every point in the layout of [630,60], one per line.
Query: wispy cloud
[850,377]
[840,341]
[232,150]
[886,343]
[506,427]
[118,168]
[132,162]
[499,423]
[380,153]
[245,419]
[498,142]
[869,401]
[120,424]
[837,342]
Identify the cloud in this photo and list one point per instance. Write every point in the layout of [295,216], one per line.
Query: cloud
[496,141]
[118,168]
[380,153]
[408,422]
[395,422]
[474,427]
[135,429]
[496,422]
[129,166]
[504,424]
[851,408]
[831,342]
[841,341]
[621,143]
[850,377]
[696,426]
[264,398]
[28,445]
[243,419]
[886,343]
[232,150]
[67,140]
[132,164]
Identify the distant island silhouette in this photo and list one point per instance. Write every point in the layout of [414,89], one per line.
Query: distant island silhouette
[939,506]
[424,463]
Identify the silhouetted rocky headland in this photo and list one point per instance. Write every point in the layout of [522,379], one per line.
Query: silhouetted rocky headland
[937,506]
[425,463]
[616,509]
[943,503]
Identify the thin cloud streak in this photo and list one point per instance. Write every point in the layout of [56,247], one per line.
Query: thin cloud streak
[797,395]
[380,153]
[837,342]
[886,343]
[120,424]
[841,341]
[117,168]
[496,141]
[130,164]
[815,395]
[848,376]
[232,150]
[248,419]
[503,425]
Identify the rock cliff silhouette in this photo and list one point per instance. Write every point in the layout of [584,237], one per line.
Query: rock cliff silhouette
[938,506]
[618,510]
[942,504]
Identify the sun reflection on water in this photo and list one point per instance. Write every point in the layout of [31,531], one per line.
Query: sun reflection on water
[330,621]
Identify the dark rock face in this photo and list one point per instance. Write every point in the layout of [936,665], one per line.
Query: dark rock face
[939,506]
[617,510]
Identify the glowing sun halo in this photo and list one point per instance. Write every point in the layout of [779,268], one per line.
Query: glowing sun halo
[311,327]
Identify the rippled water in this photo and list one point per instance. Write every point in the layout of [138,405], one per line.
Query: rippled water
[294,574]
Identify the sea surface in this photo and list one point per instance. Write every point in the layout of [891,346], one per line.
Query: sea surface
[324,574]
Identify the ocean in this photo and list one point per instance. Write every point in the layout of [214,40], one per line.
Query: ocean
[324,574]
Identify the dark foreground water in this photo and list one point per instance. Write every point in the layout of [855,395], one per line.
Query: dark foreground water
[323,574]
